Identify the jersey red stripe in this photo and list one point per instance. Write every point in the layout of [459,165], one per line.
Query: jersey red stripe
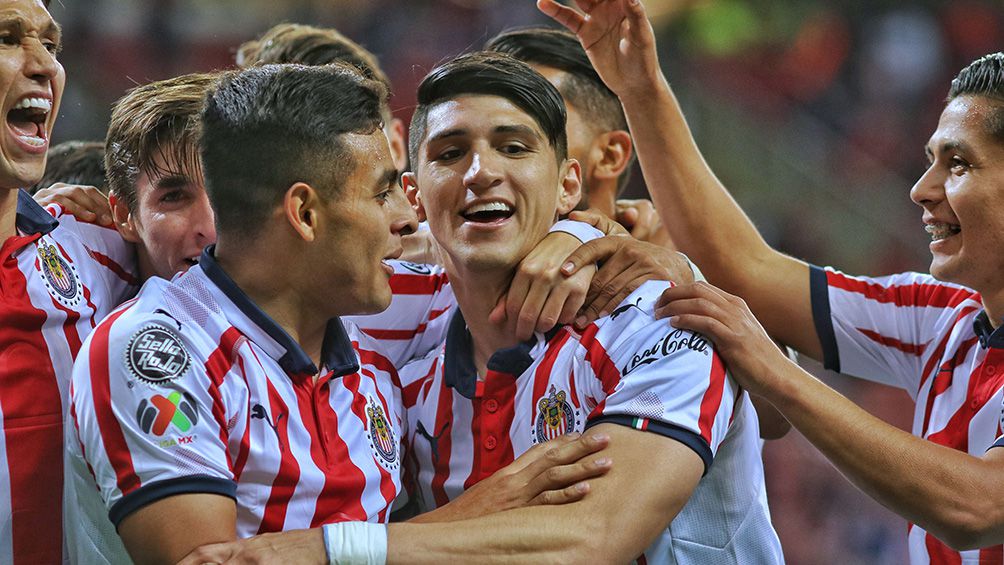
[341,492]
[712,400]
[497,443]
[114,267]
[940,554]
[938,296]
[217,366]
[285,480]
[416,284]
[245,447]
[444,423]
[908,348]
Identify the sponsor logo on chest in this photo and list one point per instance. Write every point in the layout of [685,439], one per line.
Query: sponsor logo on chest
[665,346]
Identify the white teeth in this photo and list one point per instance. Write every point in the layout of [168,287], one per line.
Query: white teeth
[941,230]
[40,103]
[32,140]
[488,207]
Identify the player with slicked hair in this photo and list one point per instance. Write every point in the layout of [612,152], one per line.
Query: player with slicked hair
[74,162]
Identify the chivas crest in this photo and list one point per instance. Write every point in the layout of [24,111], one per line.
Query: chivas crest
[381,435]
[59,275]
[555,416]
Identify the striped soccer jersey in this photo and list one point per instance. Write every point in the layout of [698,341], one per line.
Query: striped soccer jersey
[191,388]
[59,277]
[627,369]
[931,339]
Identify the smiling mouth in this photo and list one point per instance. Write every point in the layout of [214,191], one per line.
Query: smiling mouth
[27,120]
[487,212]
[941,230]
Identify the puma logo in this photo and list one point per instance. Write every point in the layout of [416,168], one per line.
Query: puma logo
[258,411]
[433,439]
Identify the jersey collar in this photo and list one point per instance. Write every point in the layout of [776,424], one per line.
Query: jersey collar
[337,353]
[989,337]
[459,371]
[32,218]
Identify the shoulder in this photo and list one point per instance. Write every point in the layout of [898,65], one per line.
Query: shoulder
[900,289]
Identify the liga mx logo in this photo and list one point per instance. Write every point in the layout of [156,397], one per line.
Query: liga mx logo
[555,417]
[60,277]
[381,435]
[177,409]
[156,356]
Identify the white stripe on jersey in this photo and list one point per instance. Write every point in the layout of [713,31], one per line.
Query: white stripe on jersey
[917,333]
[252,421]
[627,369]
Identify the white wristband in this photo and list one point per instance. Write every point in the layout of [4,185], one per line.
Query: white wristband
[579,230]
[356,543]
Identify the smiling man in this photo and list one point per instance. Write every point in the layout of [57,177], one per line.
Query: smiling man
[58,276]
[936,335]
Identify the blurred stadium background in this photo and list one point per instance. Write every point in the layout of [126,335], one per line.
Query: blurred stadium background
[814,113]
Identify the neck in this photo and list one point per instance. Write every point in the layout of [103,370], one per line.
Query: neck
[285,304]
[8,213]
[993,302]
[477,294]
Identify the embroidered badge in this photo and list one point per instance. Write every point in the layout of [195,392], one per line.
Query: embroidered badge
[381,435]
[156,356]
[555,417]
[59,275]
[178,410]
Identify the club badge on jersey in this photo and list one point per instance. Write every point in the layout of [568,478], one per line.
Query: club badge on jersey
[156,356]
[555,417]
[59,275]
[381,435]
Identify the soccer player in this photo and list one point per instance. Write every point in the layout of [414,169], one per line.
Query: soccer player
[230,401]
[55,281]
[491,175]
[937,336]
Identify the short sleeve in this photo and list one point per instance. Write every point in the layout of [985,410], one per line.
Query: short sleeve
[659,378]
[150,420]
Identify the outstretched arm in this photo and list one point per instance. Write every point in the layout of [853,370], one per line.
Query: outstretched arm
[955,496]
[701,216]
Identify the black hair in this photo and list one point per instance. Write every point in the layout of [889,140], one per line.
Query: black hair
[492,74]
[984,77]
[74,162]
[581,86]
[268,127]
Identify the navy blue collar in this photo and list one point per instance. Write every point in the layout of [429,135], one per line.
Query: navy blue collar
[337,353]
[458,366]
[989,337]
[32,218]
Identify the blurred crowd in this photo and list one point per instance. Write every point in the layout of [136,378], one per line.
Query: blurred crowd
[813,113]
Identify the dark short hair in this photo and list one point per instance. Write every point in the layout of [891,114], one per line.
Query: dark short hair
[984,77]
[492,74]
[581,86]
[74,162]
[160,118]
[268,127]
[312,46]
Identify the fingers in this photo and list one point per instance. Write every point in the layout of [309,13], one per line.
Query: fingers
[577,297]
[564,15]
[612,294]
[598,221]
[595,251]
[214,553]
[574,493]
[87,203]
[531,313]
[570,450]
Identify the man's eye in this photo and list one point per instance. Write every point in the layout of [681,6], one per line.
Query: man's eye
[958,165]
[52,47]
[9,39]
[514,148]
[385,195]
[448,155]
[172,196]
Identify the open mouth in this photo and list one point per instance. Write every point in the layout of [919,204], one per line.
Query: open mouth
[941,230]
[487,212]
[191,261]
[27,120]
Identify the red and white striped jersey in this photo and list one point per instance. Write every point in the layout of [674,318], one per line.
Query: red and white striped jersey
[59,277]
[627,369]
[414,324]
[931,339]
[191,388]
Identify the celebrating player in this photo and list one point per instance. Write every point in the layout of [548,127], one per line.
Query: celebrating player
[937,336]
[488,145]
[59,275]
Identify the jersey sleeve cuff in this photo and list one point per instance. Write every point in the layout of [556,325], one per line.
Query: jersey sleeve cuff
[579,230]
[998,443]
[162,489]
[682,435]
[819,291]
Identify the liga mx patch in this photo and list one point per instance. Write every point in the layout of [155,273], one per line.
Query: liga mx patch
[555,416]
[59,275]
[155,355]
[381,435]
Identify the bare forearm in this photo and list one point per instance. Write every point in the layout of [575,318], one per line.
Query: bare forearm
[955,496]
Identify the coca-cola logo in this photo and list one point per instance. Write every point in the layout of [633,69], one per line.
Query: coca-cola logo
[668,344]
